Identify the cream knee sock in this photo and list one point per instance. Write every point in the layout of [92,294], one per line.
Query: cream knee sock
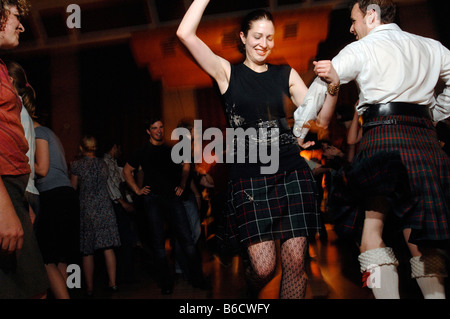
[432,287]
[429,271]
[382,265]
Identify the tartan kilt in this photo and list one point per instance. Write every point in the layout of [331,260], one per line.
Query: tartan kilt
[420,199]
[272,207]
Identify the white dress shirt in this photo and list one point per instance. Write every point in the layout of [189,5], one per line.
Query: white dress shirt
[28,127]
[388,65]
[115,178]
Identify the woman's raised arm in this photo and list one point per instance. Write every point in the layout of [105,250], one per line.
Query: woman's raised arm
[218,68]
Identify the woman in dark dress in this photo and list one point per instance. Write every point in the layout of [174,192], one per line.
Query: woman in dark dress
[98,225]
[264,207]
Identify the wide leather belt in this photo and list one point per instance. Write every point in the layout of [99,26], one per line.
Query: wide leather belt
[396,108]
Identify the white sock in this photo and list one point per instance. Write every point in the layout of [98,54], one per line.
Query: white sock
[382,265]
[387,285]
[432,287]
[429,271]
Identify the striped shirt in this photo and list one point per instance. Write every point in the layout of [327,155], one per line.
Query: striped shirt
[13,144]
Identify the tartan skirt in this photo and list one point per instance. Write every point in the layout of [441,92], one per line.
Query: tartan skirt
[418,188]
[272,207]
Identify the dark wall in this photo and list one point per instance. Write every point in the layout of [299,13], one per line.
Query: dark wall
[116,96]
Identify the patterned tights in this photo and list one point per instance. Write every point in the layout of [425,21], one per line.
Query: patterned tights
[293,252]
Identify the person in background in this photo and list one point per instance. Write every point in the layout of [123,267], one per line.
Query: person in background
[27,96]
[191,199]
[98,225]
[57,228]
[53,230]
[164,183]
[22,271]
[124,210]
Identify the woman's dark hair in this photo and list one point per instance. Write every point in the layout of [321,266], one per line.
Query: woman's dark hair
[247,21]
[23,88]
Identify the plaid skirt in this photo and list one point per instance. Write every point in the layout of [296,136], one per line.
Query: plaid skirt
[418,190]
[272,207]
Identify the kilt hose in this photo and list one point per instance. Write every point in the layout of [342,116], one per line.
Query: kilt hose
[405,164]
[272,207]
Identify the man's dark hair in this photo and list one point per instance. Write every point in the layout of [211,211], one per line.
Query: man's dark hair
[149,122]
[320,143]
[108,144]
[387,7]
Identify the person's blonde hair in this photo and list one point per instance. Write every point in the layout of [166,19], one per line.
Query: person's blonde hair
[88,144]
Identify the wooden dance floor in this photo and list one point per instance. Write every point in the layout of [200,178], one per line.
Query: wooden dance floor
[332,266]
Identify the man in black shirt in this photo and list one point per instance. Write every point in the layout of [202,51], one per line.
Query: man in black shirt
[163,186]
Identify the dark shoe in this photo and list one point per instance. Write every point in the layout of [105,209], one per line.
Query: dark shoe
[112,289]
[166,290]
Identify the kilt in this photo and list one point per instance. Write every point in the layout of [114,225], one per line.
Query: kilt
[420,199]
[272,207]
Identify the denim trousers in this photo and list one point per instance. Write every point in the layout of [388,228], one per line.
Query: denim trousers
[163,210]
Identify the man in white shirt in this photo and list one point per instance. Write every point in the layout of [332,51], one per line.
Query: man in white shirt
[396,73]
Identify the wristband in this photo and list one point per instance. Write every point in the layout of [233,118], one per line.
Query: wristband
[333,89]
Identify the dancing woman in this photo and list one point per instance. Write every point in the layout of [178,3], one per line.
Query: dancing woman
[264,208]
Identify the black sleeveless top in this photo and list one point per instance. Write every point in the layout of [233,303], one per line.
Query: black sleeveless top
[254,98]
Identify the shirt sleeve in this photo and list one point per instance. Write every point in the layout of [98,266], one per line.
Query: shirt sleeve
[135,159]
[74,169]
[348,65]
[41,133]
[441,109]
[310,107]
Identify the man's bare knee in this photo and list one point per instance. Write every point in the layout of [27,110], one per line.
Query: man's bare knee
[372,236]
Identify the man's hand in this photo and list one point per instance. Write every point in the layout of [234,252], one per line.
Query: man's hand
[142,191]
[179,190]
[11,232]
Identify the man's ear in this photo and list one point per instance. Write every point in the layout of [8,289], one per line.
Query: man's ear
[373,16]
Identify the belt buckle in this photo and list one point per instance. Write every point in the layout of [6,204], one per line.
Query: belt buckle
[389,122]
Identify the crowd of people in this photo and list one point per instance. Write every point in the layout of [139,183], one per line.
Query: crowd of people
[394,170]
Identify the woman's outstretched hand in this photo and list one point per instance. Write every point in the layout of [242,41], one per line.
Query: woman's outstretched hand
[304,144]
